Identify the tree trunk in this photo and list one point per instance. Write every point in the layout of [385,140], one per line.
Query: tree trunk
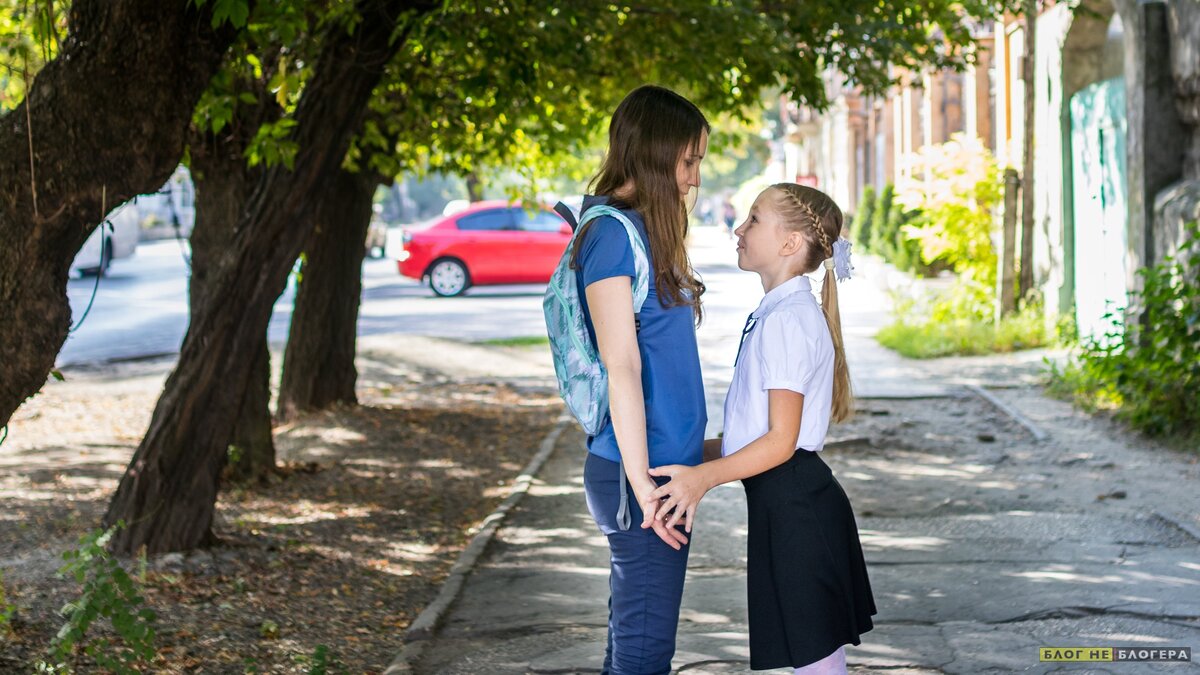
[1184,23]
[1008,299]
[474,186]
[1029,79]
[251,454]
[318,366]
[223,186]
[168,493]
[1179,204]
[89,153]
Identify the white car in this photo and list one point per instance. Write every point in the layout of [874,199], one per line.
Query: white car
[107,244]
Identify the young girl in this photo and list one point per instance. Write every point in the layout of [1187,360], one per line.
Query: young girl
[656,394]
[807,580]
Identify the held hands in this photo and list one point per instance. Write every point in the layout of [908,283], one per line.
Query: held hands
[682,494]
[652,514]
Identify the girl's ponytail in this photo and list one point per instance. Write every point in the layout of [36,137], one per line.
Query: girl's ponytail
[843,396]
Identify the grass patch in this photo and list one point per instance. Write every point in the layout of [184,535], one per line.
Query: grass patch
[956,325]
[526,341]
[1074,381]
[1146,399]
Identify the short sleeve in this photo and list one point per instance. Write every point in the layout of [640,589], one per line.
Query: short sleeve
[785,354]
[605,251]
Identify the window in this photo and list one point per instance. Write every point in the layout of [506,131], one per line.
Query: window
[538,221]
[495,219]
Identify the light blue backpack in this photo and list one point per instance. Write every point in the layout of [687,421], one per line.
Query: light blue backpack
[582,378]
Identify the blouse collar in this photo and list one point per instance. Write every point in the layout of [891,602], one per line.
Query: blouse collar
[776,295]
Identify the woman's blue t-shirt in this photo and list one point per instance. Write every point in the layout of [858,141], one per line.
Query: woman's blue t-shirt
[671,379]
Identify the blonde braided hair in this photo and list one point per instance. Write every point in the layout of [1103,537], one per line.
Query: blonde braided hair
[813,214]
[809,215]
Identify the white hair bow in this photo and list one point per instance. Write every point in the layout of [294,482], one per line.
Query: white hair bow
[840,262]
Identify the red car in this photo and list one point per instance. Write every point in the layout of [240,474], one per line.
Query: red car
[488,243]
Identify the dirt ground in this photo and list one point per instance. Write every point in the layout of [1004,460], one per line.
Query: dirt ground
[342,550]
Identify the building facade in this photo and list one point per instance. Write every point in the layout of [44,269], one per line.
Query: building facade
[1116,119]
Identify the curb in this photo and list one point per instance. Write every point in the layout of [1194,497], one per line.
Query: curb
[1038,434]
[117,360]
[418,634]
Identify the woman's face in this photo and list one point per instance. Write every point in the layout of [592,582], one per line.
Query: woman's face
[687,172]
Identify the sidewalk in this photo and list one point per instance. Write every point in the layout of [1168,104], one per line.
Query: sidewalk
[982,543]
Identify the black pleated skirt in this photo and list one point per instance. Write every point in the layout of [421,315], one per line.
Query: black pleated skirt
[807,579]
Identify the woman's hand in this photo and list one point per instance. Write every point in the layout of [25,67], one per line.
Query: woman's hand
[682,494]
[643,491]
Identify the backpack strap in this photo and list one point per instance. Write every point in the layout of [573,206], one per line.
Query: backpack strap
[641,261]
[623,518]
[567,214]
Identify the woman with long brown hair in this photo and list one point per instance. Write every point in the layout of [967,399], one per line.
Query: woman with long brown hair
[657,140]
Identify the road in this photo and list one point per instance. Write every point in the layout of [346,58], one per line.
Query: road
[141,309]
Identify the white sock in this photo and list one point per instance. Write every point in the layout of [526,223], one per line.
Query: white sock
[834,664]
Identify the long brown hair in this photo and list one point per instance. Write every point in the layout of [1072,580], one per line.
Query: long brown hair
[819,220]
[648,133]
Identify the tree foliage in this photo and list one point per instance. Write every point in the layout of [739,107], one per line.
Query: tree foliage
[529,85]
[262,77]
[526,85]
[466,87]
[31,35]
[955,188]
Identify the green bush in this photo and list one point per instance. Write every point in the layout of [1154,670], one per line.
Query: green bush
[883,234]
[860,228]
[1149,373]
[905,251]
[954,189]
[879,227]
[110,593]
[960,322]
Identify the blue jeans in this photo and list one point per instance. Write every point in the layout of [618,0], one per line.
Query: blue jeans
[645,579]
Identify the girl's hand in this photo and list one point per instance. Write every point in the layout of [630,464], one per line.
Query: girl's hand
[683,493]
[643,491]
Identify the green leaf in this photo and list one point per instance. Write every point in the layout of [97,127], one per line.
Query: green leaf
[233,11]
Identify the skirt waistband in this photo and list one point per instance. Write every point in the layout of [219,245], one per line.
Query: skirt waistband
[801,458]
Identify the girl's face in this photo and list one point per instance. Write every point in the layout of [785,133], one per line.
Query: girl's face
[687,171]
[764,244]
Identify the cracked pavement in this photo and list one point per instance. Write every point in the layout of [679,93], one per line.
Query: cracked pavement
[979,553]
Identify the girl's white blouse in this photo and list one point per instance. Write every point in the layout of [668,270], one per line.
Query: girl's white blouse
[787,347]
